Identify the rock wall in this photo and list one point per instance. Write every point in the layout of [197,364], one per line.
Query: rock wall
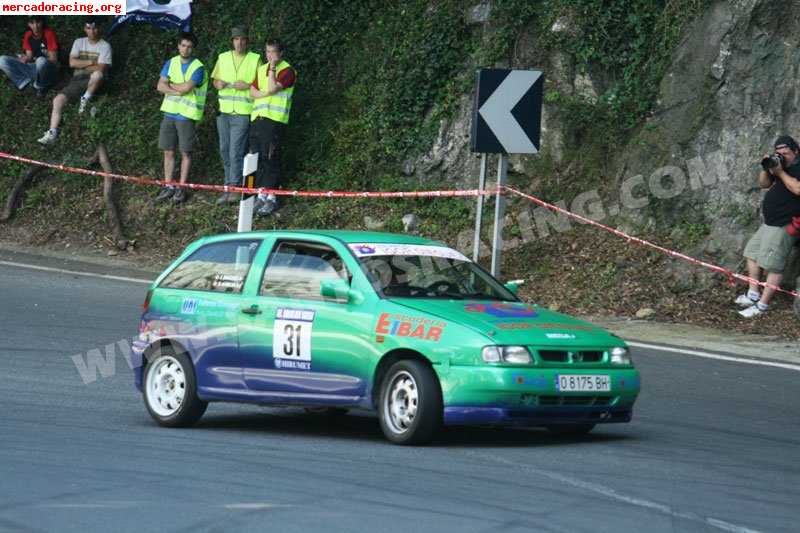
[730,91]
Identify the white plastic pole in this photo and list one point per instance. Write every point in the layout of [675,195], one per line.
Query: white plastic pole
[247,205]
[476,245]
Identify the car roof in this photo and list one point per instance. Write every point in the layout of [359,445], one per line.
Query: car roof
[346,236]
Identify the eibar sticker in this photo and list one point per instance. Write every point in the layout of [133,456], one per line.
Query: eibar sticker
[291,338]
[408,326]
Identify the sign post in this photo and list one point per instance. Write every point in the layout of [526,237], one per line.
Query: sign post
[247,203]
[506,119]
[499,211]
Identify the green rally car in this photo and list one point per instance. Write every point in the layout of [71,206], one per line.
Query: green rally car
[401,325]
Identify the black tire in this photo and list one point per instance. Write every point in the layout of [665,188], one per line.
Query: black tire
[413,387]
[177,377]
[570,430]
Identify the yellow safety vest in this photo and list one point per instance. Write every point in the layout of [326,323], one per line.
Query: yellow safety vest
[277,106]
[236,101]
[191,104]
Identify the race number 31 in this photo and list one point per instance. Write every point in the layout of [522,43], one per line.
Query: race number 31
[291,334]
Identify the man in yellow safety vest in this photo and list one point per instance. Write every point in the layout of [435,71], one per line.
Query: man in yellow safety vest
[233,74]
[183,82]
[272,92]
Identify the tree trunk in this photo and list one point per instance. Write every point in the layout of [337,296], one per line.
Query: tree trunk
[101,156]
[16,191]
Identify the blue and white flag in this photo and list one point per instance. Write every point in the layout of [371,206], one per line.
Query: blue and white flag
[166,14]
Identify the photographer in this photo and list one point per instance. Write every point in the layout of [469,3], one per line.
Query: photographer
[769,248]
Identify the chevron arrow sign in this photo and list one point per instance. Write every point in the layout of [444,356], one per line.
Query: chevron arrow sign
[507,116]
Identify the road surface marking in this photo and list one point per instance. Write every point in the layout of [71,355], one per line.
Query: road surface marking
[75,272]
[730,358]
[608,492]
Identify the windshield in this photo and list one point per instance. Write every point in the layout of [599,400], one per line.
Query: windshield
[427,276]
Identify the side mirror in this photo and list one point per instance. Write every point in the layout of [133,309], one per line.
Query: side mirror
[514,285]
[339,290]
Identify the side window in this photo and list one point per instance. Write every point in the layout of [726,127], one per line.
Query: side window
[296,269]
[217,267]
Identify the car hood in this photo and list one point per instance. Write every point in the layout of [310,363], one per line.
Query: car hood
[515,322]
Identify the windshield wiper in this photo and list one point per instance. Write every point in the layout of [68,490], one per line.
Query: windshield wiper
[453,295]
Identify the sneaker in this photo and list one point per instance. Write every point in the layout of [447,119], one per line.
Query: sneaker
[753,310]
[227,198]
[165,194]
[181,195]
[267,207]
[83,104]
[48,138]
[743,300]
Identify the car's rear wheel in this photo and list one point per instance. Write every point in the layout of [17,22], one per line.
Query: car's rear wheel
[170,390]
[410,409]
[570,430]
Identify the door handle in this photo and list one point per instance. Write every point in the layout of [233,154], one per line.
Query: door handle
[252,310]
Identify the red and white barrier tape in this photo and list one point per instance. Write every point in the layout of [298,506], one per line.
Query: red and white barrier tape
[732,276]
[249,190]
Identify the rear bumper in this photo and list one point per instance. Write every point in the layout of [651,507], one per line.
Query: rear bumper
[137,358]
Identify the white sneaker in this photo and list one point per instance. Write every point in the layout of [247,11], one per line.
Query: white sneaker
[743,300]
[83,104]
[48,138]
[752,311]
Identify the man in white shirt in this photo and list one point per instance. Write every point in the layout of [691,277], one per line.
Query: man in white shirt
[90,58]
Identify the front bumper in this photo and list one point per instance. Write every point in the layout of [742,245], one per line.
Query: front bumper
[530,396]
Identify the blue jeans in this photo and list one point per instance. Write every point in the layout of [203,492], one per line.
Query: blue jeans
[42,72]
[232,131]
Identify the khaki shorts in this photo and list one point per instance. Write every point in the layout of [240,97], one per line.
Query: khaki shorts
[770,248]
[76,87]
[176,133]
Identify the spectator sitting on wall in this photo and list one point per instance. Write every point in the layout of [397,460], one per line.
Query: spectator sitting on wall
[38,63]
[90,58]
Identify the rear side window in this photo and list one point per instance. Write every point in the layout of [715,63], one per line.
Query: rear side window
[216,267]
[296,269]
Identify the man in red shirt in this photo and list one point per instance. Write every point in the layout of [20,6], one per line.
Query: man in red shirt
[39,63]
[272,92]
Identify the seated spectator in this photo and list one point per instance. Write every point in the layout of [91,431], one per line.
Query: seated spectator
[39,62]
[90,58]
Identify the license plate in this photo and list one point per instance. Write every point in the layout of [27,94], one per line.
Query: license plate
[583,383]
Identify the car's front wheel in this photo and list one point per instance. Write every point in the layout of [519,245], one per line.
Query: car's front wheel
[170,390]
[410,409]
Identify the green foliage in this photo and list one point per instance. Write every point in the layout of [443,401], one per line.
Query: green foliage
[626,44]
[374,80]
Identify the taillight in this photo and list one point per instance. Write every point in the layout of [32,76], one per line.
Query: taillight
[146,303]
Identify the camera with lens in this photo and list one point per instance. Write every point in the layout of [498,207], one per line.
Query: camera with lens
[772,161]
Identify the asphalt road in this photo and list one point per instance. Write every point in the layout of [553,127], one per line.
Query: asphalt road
[713,447]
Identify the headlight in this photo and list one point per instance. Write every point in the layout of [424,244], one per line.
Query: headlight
[518,355]
[620,356]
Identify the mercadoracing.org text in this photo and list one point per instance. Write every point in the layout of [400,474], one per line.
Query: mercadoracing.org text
[62,7]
